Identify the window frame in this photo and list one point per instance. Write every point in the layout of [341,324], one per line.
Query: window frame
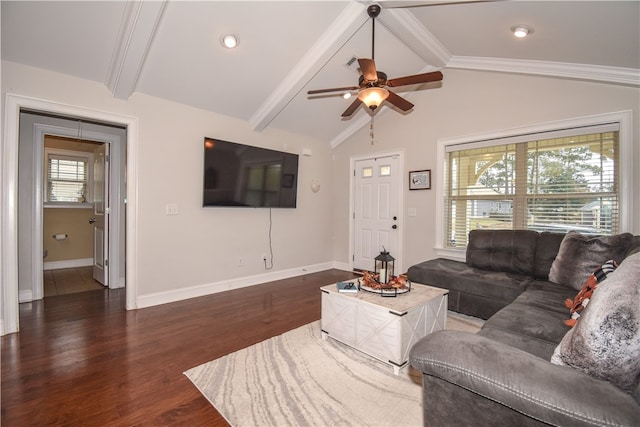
[623,119]
[80,155]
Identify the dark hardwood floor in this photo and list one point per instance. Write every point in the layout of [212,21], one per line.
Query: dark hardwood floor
[82,360]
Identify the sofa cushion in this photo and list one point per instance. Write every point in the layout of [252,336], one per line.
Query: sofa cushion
[580,255]
[546,295]
[502,250]
[546,250]
[529,328]
[540,348]
[475,305]
[605,342]
[458,276]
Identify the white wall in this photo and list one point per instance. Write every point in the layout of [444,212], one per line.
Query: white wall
[199,247]
[469,102]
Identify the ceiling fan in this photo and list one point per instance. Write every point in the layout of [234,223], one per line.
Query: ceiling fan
[372,84]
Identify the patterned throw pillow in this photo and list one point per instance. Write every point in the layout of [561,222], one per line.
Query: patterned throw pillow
[581,300]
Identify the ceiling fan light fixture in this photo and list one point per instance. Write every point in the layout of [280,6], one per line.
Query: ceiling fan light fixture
[229,41]
[521,31]
[372,97]
[372,83]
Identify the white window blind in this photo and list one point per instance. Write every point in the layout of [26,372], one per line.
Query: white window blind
[553,181]
[67,178]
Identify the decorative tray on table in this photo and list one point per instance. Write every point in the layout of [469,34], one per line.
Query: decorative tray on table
[396,286]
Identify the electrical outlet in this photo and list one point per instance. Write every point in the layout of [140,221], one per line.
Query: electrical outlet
[241,261]
[264,257]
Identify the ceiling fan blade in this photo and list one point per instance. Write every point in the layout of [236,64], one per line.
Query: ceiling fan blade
[399,4]
[335,89]
[352,108]
[368,68]
[399,101]
[435,76]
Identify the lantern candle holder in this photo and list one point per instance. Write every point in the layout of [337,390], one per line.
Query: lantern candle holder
[381,280]
[384,267]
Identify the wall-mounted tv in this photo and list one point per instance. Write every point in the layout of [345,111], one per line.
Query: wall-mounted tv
[247,176]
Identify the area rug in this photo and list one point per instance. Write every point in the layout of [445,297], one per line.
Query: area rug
[299,379]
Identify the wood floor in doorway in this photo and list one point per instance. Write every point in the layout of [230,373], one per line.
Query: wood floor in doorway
[69,281]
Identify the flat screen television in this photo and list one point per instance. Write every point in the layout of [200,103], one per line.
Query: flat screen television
[246,176]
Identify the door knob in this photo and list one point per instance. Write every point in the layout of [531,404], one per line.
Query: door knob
[92,220]
[394,226]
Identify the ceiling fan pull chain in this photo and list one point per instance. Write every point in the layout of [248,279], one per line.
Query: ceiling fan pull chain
[371,130]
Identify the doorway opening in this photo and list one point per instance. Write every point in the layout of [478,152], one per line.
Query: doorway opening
[71,205]
[73,185]
[11,252]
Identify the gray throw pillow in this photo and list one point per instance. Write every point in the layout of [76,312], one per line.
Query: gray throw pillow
[580,255]
[605,343]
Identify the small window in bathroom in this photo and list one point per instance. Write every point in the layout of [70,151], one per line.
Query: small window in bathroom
[69,177]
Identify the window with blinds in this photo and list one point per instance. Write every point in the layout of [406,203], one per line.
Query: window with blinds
[556,181]
[68,178]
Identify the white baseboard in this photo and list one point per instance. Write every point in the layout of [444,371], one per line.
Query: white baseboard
[342,266]
[70,263]
[150,300]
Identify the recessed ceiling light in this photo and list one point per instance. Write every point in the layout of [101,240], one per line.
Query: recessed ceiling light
[230,41]
[346,95]
[521,31]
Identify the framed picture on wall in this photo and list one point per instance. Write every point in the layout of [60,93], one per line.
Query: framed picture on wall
[420,180]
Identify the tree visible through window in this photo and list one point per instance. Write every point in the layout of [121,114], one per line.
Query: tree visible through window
[556,184]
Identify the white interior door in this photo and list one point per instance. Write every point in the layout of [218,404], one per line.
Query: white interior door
[100,217]
[376,210]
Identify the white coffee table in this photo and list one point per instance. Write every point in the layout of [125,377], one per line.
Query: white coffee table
[383,327]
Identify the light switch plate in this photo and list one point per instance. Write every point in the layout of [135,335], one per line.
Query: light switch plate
[171,209]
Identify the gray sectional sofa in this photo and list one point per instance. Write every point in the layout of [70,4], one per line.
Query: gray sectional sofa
[503,374]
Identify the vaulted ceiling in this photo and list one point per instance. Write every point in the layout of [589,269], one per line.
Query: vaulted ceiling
[172,49]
